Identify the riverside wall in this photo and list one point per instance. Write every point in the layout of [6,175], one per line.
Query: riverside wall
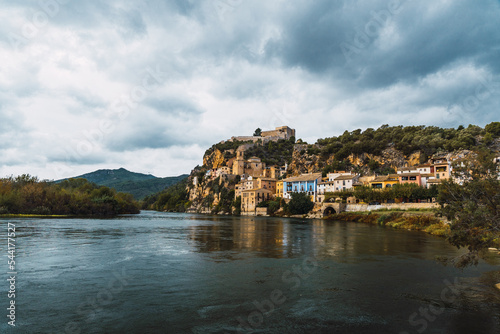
[393,206]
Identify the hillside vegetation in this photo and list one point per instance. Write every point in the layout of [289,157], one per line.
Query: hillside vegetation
[383,150]
[426,139]
[174,199]
[137,184]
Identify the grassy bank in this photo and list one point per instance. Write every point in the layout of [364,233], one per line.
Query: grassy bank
[32,216]
[415,221]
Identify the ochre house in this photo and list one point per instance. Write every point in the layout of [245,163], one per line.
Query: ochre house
[250,198]
[385,181]
[279,188]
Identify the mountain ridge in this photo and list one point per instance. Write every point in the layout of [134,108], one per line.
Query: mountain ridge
[122,180]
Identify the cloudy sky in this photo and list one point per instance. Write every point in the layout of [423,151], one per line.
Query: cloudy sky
[149,85]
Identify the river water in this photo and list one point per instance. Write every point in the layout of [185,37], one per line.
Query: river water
[182,273]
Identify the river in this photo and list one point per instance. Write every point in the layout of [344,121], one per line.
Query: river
[184,273]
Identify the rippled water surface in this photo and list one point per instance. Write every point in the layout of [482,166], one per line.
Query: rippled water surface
[181,273]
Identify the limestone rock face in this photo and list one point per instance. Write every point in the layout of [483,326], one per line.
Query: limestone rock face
[414,158]
[302,162]
[214,160]
[393,157]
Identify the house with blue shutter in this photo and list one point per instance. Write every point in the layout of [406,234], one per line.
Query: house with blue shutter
[305,183]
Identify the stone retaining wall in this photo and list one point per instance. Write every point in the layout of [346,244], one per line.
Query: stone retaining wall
[399,206]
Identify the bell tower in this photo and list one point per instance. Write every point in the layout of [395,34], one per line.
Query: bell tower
[239,163]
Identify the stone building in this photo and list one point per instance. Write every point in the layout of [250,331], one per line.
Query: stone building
[267,183]
[282,132]
[251,197]
[239,163]
[253,167]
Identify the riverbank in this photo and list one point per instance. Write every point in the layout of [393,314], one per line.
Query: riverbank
[409,220]
[33,216]
[414,221]
[21,215]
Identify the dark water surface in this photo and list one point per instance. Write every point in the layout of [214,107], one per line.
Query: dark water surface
[181,273]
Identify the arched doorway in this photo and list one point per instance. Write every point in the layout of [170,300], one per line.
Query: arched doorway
[329,211]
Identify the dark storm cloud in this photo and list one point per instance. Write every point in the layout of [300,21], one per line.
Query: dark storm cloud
[311,36]
[423,39]
[464,32]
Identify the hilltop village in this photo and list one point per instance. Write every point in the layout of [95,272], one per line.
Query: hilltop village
[231,173]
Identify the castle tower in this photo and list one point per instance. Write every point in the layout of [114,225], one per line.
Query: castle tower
[239,163]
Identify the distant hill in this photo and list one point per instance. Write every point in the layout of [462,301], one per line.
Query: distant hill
[137,184]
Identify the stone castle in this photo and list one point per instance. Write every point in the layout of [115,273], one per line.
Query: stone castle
[282,132]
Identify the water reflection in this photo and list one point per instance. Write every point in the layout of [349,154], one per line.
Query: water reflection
[267,237]
[283,238]
[199,274]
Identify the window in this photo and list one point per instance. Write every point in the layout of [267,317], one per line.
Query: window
[404,178]
[343,183]
[413,178]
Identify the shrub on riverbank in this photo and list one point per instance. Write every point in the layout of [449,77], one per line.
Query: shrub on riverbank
[75,197]
[300,204]
[425,223]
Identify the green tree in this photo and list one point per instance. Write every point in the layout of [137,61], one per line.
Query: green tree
[488,138]
[237,205]
[258,132]
[300,204]
[493,128]
[274,206]
[473,208]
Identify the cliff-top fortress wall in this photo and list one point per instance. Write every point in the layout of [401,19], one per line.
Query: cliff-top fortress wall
[282,132]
